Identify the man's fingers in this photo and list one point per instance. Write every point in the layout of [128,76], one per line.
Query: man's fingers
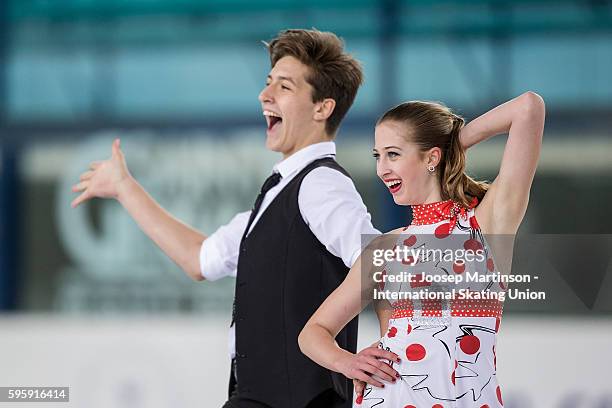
[80,186]
[116,150]
[94,165]
[83,197]
[86,176]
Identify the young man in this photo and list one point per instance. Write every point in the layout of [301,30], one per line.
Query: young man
[296,245]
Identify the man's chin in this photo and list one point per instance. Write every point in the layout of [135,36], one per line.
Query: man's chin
[273,144]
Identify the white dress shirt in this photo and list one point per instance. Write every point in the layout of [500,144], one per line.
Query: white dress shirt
[328,201]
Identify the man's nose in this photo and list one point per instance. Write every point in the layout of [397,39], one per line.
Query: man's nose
[265,95]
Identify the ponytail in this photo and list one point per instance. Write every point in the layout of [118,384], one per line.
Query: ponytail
[456,184]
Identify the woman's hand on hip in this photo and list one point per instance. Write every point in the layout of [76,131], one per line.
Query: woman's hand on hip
[366,365]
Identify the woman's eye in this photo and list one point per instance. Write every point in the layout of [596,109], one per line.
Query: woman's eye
[284,87]
[392,155]
[376,156]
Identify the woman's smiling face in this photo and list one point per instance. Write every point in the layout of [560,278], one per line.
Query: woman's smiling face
[402,166]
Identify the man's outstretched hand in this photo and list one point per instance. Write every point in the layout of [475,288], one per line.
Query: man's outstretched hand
[111,179]
[104,178]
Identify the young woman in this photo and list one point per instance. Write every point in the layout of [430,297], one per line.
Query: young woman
[444,350]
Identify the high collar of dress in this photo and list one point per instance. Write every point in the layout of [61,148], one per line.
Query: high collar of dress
[432,213]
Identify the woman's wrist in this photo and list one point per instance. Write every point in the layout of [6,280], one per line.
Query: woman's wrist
[464,136]
[470,135]
[497,121]
[339,362]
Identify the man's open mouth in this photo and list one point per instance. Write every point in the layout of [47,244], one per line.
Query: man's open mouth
[272,119]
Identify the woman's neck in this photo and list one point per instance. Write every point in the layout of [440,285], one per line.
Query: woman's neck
[434,195]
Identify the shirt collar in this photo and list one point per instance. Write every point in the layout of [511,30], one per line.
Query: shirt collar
[303,157]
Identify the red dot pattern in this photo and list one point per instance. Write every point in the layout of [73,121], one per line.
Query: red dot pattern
[381,284]
[499,396]
[472,244]
[432,213]
[446,214]
[415,352]
[443,230]
[458,267]
[469,344]
[410,241]
[409,260]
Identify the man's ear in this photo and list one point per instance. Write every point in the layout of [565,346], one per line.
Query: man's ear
[324,109]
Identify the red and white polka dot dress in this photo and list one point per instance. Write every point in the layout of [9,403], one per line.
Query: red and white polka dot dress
[447,347]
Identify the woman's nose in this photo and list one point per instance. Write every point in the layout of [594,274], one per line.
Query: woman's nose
[381,168]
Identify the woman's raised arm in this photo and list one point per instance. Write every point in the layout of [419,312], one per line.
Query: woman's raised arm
[504,205]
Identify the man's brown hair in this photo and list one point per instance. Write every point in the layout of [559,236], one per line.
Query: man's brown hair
[333,73]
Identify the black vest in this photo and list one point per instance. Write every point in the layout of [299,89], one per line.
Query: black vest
[284,274]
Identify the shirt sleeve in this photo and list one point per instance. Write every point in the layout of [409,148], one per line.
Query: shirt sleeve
[335,213]
[219,252]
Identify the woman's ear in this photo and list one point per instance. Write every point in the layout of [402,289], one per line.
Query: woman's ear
[324,109]
[433,156]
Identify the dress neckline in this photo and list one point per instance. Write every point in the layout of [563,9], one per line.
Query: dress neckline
[433,213]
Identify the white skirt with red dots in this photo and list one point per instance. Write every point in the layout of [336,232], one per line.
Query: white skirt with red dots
[445,363]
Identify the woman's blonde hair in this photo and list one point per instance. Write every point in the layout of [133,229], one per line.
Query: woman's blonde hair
[432,124]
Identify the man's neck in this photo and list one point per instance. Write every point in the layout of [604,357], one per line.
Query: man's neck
[319,138]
